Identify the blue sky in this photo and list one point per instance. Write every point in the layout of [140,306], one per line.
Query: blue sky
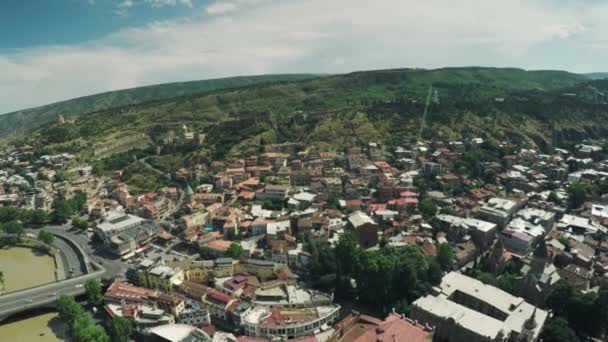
[52,50]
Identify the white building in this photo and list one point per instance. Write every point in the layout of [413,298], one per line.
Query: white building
[266,322]
[498,210]
[465,309]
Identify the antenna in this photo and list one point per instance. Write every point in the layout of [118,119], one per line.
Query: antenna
[426,109]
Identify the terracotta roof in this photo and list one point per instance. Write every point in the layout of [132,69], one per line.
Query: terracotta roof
[128,291]
[218,296]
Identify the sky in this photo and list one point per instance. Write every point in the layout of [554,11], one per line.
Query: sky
[54,50]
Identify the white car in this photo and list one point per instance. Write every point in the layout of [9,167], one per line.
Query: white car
[78,286]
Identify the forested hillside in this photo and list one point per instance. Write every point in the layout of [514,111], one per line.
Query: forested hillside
[536,108]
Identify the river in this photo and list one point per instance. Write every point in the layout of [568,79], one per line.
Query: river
[24,268]
[38,327]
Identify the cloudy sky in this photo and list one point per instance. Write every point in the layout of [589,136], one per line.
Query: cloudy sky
[54,50]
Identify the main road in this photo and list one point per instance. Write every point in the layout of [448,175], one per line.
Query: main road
[76,257]
[40,296]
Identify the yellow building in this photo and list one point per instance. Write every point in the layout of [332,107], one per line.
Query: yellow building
[161,277]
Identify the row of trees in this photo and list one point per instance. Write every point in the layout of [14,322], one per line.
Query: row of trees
[64,209]
[35,217]
[386,278]
[585,313]
[82,329]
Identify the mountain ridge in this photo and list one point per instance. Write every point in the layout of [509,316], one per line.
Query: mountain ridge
[29,118]
[535,108]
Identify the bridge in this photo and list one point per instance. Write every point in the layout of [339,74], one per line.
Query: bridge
[46,295]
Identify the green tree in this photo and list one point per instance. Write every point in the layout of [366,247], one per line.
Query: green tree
[38,217]
[553,198]
[435,272]
[427,208]
[232,235]
[558,330]
[577,194]
[489,176]
[206,253]
[60,177]
[13,228]
[78,201]
[445,256]
[93,291]
[46,237]
[79,223]
[8,214]
[236,251]
[120,329]
[68,309]
[62,213]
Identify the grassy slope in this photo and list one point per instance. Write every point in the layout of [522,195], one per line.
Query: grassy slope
[27,119]
[382,105]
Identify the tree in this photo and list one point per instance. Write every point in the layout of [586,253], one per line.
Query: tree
[445,256]
[60,177]
[553,198]
[236,251]
[206,253]
[435,273]
[38,217]
[8,214]
[93,291]
[79,223]
[68,309]
[13,228]
[427,208]
[62,213]
[120,329]
[558,330]
[489,176]
[577,194]
[233,235]
[78,201]
[46,237]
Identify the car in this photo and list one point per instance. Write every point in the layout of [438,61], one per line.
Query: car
[28,301]
[78,286]
[52,294]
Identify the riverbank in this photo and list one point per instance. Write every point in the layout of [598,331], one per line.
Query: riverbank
[40,327]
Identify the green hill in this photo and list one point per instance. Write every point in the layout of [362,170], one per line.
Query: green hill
[535,108]
[598,75]
[24,120]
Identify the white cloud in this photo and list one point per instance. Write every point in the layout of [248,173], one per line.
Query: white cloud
[221,8]
[311,36]
[562,31]
[126,4]
[162,3]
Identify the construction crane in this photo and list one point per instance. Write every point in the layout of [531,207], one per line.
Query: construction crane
[427,103]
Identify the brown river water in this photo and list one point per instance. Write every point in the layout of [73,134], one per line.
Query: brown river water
[24,268]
